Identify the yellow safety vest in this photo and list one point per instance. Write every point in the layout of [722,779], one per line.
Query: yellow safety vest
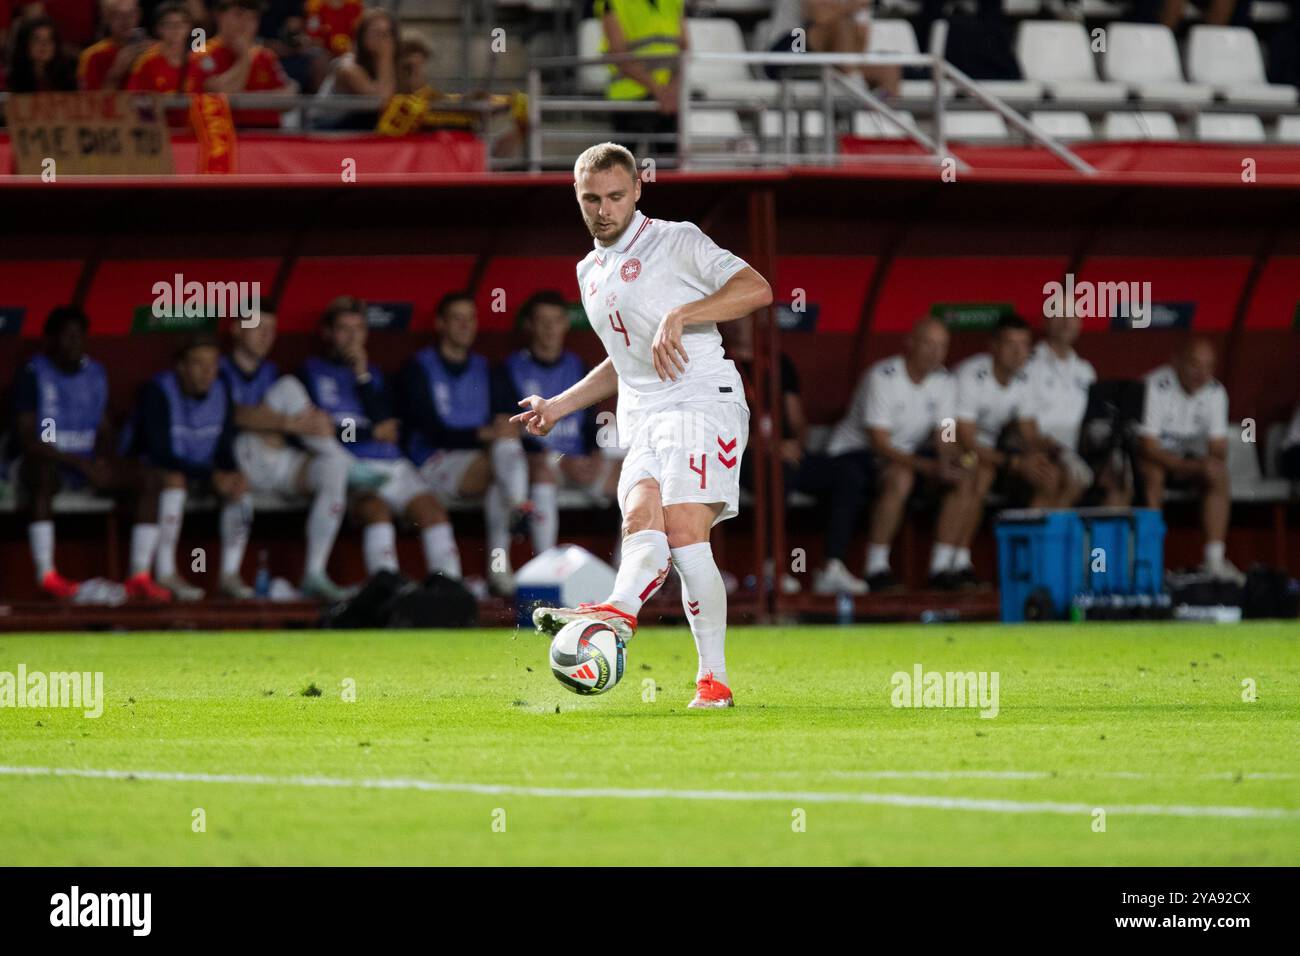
[649,28]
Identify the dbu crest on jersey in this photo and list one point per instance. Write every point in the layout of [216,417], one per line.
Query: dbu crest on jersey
[630,269]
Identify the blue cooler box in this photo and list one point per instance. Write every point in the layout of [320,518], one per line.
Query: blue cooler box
[1038,549]
[1133,542]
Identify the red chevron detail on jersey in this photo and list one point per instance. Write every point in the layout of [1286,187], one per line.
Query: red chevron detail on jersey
[726,446]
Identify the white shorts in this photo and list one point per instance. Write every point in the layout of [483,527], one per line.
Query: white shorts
[269,468]
[693,451]
[403,484]
[443,471]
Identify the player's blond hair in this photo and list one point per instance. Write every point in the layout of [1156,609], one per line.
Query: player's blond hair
[603,156]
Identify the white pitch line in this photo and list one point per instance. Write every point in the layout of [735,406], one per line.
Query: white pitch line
[619,793]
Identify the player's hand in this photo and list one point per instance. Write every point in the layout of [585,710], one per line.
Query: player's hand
[385,430]
[666,351]
[312,422]
[230,484]
[538,416]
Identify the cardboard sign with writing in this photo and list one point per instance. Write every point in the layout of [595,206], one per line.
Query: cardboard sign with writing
[98,133]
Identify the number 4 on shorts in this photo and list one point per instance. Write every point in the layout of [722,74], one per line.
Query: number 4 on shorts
[704,460]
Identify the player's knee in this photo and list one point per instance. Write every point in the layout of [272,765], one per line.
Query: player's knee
[426,511]
[897,481]
[371,509]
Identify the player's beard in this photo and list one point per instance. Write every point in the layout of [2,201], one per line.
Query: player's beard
[613,235]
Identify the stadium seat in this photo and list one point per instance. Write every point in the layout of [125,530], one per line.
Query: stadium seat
[1229,60]
[1062,124]
[1021,8]
[719,131]
[592,80]
[1144,56]
[1058,55]
[897,36]
[1140,125]
[872,125]
[1263,11]
[1229,128]
[814,124]
[733,80]
[974,124]
[1248,482]
[1288,129]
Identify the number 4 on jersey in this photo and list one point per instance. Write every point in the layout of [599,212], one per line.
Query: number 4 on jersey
[620,327]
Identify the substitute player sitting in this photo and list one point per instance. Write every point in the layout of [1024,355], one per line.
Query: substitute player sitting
[655,292]
[456,421]
[269,447]
[567,456]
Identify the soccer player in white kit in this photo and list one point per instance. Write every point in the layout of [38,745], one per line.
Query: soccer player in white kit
[655,291]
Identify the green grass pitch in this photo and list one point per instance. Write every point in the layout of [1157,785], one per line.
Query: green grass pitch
[461,748]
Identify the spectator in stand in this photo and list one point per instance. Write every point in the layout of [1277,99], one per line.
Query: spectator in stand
[235,63]
[368,70]
[332,23]
[413,56]
[183,433]
[1184,443]
[38,64]
[898,415]
[831,26]
[994,394]
[354,393]
[62,433]
[160,69]
[1171,12]
[77,20]
[646,27]
[284,31]
[106,65]
[1290,463]
[568,455]
[1061,380]
[459,434]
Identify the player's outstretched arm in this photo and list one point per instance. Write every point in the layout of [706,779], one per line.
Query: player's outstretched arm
[541,414]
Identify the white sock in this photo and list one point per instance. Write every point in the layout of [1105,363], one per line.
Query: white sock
[642,571]
[546,519]
[40,536]
[379,546]
[144,539]
[1214,553]
[704,598]
[440,553]
[236,520]
[496,519]
[877,559]
[327,476]
[510,469]
[941,558]
[961,559]
[171,511]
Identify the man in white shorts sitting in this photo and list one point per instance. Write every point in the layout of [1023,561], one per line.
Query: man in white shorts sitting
[344,384]
[286,446]
[457,429]
[654,292]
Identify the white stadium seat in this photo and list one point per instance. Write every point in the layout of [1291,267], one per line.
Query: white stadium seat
[1229,60]
[897,36]
[1062,124]
[1140,125]
[1288,129]
[592,80]
[1014,91]
[974,124]
[1229,128]
[872,125]
[1144,56]
[733,80]
[814,124]
[1058,55]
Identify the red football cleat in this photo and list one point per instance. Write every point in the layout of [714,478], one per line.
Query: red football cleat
[710,694]
[142,587]
[57,586]
[549,620]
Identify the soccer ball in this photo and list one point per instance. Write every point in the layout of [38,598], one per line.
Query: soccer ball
[588,657]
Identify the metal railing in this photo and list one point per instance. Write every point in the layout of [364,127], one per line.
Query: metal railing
[835,88]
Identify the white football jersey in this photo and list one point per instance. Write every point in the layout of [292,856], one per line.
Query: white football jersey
[1062,390]
[1183,423]
[628,288]
[886,397]
[980,399]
